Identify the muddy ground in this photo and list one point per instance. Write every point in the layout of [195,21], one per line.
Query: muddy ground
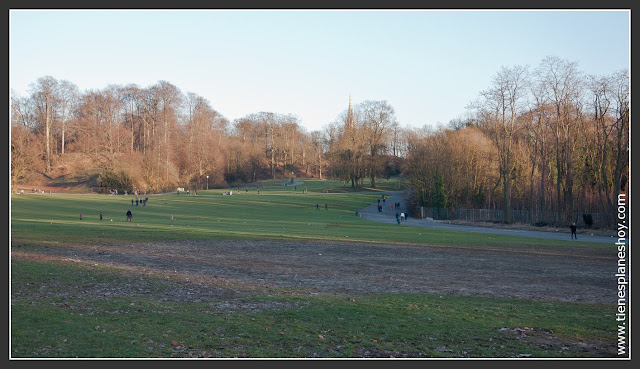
[353,268]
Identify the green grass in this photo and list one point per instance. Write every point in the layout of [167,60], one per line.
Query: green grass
[276,213]
[52,318]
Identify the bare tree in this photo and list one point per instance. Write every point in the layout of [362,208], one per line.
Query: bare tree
[67,99]
[169,98]
[203,151]
[25,149]
[622,130]
[500,107]
[377,120]
[537,129]
[318,142]
[602,92]
[562,83]
[131,101]
[43,96]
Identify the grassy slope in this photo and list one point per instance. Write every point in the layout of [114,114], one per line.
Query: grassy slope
[276,213]
[47,325]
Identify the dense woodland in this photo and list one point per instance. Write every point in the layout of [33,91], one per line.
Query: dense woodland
[549,139]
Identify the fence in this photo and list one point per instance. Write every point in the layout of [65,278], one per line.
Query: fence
[519,216]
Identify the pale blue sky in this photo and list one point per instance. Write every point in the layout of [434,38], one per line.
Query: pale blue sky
[429,65]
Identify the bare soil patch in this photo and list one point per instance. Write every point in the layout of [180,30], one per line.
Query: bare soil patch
[215,268]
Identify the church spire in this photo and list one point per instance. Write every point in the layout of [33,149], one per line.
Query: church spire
[350,123]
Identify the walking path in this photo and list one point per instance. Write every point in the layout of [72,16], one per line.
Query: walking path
[389,216]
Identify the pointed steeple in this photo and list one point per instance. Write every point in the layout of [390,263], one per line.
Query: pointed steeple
[350,123]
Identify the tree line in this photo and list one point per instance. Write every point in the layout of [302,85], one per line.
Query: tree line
[549,139]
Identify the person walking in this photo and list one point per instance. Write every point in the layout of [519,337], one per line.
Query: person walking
[100,216]
[573,231]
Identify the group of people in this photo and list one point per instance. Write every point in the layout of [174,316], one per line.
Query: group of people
[141,201]
[401,217]
[114,192]
[381,207]
[137,201]
[189,192]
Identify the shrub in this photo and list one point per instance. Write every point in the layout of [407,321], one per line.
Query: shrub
[117,180]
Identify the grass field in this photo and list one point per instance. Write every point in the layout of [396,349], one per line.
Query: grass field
[276,213]
[54,313]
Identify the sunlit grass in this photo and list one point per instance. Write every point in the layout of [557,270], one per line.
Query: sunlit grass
[276,213]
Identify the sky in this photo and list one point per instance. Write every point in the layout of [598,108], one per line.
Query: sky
[429,65]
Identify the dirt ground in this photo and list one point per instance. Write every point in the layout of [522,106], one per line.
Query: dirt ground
[354,268]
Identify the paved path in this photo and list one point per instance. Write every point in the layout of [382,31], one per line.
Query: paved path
[389,216]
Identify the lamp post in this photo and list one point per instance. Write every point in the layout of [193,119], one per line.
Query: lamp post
[207,182]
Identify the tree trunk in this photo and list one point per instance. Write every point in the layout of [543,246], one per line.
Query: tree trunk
[47,120]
